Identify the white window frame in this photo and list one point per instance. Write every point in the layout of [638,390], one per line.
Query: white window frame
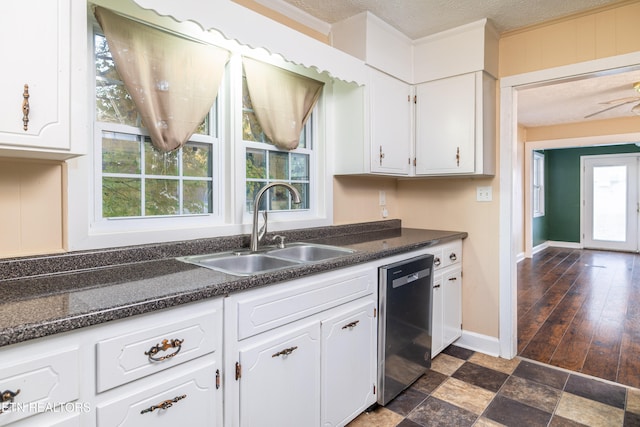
[320,207]
[119,225]
[538,184]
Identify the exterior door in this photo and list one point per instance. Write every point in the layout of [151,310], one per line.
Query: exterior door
[610,202]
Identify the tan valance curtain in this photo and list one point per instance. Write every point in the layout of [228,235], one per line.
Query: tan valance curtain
[173,81]
[281,100]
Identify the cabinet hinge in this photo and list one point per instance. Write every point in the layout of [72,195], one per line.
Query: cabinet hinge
[408,98]
[414,161]
[238,371]
[415,99]
[374,389]
[375,313]
[217,379]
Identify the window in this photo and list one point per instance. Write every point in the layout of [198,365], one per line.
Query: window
[206,189]
[538,184]
[266,164]
[136,180]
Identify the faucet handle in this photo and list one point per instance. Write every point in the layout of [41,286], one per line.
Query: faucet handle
[279,240]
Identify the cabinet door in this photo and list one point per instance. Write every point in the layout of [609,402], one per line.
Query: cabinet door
[280,379]
[36,37]
[437,341]
[445,126]
[452,306]
[348,363]
[390,115]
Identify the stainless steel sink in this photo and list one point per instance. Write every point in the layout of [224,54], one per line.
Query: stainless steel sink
[240,264]
[309,252]
[246,263]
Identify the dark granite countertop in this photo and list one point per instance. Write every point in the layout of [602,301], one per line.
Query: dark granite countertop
[46,295]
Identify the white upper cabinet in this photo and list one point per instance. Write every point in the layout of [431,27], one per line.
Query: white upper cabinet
[455,126]
[390,109]
[43,49]
[450,130]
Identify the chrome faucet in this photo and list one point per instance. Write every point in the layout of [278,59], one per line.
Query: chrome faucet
[257,236]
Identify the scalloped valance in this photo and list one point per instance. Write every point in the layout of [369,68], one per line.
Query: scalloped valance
[251,29]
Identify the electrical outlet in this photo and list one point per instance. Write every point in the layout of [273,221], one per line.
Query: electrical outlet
[383,198]
[484,194]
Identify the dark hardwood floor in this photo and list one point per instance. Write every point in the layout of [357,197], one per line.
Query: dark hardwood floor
[580,310]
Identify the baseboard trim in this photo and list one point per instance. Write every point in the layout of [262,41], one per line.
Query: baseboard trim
[539,248]
[478,342]
[568,245]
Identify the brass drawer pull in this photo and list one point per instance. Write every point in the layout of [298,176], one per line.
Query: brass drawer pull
[25,107]
[164,405]
[351,325]
[453,279]
[164,346]
[285,352]
[7,397]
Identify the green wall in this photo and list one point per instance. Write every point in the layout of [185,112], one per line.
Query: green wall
[562,192]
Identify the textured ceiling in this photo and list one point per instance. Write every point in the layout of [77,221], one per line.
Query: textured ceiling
[572,101]
[419,18]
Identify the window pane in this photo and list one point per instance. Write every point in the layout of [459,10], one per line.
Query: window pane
[279,198]
[252,189]
[121,197]
[120,153]
[113,103]
[161,197]
[198,197]
[300,167]
[256,164]
[610,203]
[196,160]
[278,165]
[303,189]
[158,163]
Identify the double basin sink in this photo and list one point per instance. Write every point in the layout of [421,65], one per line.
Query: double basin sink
[246,263]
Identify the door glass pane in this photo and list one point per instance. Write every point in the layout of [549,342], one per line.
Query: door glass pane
[610,203]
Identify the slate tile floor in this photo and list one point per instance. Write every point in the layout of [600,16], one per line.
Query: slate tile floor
[465,388]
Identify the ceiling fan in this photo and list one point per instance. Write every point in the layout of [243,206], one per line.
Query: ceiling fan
[622,101]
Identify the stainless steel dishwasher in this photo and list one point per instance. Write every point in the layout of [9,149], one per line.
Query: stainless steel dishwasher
[404,328]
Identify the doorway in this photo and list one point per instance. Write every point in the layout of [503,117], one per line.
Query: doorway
[509,184]
[609,214]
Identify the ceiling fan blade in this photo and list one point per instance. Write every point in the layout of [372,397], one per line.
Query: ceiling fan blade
[610,108]
[622,100]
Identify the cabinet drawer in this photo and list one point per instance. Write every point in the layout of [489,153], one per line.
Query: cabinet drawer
[438,262]
[40,382]
[160,341]
[452,253]
[301,298]
[186,398]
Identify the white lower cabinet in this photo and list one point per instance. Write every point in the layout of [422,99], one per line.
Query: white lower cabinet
[348,380]
[319,368]
[280,378]
[446,319]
